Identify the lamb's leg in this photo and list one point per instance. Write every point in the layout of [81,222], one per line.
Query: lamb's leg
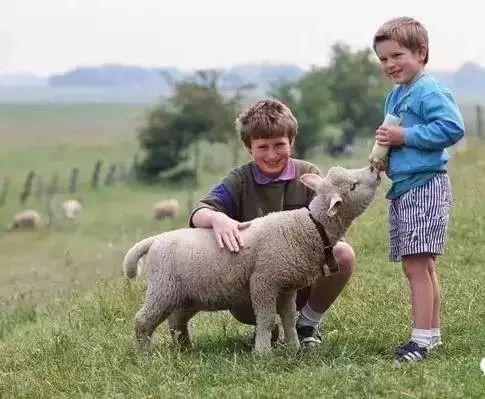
[287,312]
[263,298]
[177,323]
[153,312]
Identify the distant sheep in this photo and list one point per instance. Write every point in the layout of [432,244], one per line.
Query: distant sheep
[29,219]
[187,272]
[72,209]
[167,208]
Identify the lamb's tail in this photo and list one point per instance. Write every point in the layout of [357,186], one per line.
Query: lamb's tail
[132,257]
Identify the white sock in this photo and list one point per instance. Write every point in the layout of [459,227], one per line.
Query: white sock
[308,317]
[435,335]
[421,337]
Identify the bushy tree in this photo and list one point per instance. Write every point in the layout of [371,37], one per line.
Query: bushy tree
[196,111]
[358,89]
[337,103]
[311,104]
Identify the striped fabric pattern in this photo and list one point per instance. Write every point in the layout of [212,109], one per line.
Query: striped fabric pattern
[418,219]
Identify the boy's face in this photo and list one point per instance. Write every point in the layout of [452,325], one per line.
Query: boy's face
[271,155]
[399,63]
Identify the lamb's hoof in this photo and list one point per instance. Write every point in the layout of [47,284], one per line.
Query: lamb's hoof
[181,340]
[293,346]
[263,351]
[262,348]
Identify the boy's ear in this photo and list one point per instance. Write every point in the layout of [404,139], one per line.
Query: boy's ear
[311,180]
[422,51]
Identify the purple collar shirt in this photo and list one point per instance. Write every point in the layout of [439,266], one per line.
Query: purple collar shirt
[288,173]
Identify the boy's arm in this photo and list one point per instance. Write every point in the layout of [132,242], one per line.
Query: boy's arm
[217,211]
[444,124]
[219,199]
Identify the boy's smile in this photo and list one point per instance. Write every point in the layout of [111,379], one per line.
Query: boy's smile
[271,155]
[399,63]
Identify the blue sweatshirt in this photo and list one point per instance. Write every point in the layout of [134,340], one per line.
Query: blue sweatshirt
[432,122]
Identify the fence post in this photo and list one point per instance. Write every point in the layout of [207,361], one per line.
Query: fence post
[3,196]
[51,213]
[110,177]
[479,121]
[96,173]
[73,180]
[50,191]
[27,187]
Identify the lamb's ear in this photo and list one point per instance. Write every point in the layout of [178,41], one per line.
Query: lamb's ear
[334,206]
[311,180]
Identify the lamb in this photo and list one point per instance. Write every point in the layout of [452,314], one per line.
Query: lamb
[72,209]
[166,208]
[28,218]
[187,272]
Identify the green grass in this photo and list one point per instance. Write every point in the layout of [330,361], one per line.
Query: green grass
[66,321]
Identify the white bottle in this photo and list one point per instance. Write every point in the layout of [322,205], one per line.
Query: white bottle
[379,152]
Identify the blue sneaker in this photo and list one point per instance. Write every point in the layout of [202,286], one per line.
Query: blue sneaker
[410,353]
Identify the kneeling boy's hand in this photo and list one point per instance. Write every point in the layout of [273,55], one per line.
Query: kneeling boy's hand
[227,230]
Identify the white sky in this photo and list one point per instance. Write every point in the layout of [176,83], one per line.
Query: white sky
[52,36]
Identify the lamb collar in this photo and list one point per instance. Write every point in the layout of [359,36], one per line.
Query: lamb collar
[330,266]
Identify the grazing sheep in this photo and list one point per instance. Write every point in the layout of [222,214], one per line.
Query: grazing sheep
[72,208]
[26,219]
[187,272]
[166,208]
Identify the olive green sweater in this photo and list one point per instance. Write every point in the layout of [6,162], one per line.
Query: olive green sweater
[239,196]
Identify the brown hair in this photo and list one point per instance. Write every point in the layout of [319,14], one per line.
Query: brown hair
[266,119]
[408,32]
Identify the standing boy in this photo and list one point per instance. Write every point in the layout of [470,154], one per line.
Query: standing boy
[420,192]
[270,182]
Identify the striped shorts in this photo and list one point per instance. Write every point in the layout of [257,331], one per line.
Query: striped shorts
[418,219]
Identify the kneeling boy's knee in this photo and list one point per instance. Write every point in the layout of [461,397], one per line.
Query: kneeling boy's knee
[345,257]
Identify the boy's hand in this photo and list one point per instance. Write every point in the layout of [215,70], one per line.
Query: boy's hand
[227,230]
[390,135]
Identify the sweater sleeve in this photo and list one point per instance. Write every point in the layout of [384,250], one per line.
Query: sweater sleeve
[443,125]
[221,198]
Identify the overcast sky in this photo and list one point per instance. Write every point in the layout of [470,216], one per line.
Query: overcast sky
[52,36]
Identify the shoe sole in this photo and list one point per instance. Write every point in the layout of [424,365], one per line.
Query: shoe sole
[310,341]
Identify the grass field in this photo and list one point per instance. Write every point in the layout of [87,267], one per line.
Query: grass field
[66,316]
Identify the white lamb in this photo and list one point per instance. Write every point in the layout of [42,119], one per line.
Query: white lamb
[166,208]
[28,218]
[72,208]
[187,272]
